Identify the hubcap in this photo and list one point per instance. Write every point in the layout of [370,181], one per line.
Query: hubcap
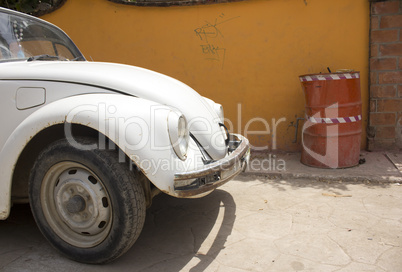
[76,204]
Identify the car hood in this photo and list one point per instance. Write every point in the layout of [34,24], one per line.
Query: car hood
[134,81]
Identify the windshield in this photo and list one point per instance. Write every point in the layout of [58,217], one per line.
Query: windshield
[24,37]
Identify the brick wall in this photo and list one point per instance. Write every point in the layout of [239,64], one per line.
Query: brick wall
[385,121]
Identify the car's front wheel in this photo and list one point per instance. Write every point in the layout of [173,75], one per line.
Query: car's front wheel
[87,204]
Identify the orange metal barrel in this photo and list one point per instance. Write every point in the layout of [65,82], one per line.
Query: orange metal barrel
[332,132]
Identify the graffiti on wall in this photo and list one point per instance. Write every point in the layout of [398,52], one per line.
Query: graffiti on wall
[212,39]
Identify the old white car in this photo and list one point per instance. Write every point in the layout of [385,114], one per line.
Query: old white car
[89,144]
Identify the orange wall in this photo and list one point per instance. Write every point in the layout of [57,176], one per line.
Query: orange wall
[245,55]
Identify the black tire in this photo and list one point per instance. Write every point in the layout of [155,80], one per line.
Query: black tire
[88,205]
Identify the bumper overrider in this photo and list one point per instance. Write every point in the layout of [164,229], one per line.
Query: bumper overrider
[213,175]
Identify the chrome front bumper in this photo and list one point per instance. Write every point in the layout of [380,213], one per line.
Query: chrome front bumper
[215,174]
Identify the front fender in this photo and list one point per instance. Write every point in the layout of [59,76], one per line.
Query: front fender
[137,126]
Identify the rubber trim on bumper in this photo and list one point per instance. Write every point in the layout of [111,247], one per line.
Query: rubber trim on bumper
[220,171]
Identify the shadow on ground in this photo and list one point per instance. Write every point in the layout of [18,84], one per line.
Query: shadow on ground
[336,187]
[177,233]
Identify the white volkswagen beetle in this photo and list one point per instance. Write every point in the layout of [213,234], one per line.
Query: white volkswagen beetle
[89,144]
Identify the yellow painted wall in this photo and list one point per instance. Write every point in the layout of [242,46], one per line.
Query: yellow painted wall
[245,55]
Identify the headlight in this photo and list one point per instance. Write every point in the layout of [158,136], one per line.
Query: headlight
[178,134]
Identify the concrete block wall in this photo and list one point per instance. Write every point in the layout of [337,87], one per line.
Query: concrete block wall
[385,121]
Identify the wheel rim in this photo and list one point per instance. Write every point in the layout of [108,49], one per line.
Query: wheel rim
[76,204]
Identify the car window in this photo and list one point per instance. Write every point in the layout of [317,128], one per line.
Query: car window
[23,37]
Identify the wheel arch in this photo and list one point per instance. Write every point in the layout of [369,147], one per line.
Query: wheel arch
[47,124]
[27,158]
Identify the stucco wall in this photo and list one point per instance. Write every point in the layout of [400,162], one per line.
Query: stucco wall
[245,55]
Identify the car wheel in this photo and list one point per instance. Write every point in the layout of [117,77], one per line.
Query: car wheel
[88,205]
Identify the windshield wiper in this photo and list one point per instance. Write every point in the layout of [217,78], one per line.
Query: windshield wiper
[77,58]
[43,57]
